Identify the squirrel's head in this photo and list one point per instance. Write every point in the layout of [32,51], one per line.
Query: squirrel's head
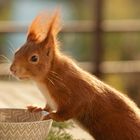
[35,58]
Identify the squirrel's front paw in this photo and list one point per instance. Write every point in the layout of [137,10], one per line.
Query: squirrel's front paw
[54,116]
[34,109]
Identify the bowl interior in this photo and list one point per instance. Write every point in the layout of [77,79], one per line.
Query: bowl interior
[18,115]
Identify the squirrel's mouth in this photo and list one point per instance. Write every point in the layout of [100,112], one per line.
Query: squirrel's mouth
[19,77]
[23,78]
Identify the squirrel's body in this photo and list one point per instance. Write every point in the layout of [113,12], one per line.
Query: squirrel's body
[70,91]
[101,110]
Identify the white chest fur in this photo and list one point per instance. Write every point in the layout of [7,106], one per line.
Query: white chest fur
[47,96]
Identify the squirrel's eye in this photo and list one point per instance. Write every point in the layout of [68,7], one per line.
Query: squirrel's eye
[34,58]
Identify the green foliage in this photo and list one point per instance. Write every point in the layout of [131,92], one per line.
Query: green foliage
[58,131]
[59,135]
[63,125]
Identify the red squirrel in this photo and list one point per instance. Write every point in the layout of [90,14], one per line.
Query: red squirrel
[71,92]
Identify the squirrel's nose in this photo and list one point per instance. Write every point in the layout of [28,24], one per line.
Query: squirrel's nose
[13,68]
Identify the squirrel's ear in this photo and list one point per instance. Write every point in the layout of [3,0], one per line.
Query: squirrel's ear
[53,29]
[37,30]
[43,27]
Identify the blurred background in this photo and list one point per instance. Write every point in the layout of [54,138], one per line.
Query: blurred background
[102,35]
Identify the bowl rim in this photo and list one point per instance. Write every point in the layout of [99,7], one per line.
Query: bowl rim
[13,123]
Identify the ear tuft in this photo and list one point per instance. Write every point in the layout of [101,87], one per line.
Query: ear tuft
[55,27]
[37,30]
[44,25]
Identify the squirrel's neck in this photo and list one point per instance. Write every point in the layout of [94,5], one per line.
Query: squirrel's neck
[56,80]
[62,66]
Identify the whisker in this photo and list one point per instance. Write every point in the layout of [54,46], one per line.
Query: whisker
[51,81]
[56,75]
[12,51]
[58,79]
[5,58]
[60,82]
[11,45]
[54,72]
[3,61]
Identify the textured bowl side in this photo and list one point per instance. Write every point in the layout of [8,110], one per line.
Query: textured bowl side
[25,131]
[18,124]
[18,115]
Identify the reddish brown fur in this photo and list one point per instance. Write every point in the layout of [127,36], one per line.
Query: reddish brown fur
[104,112]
